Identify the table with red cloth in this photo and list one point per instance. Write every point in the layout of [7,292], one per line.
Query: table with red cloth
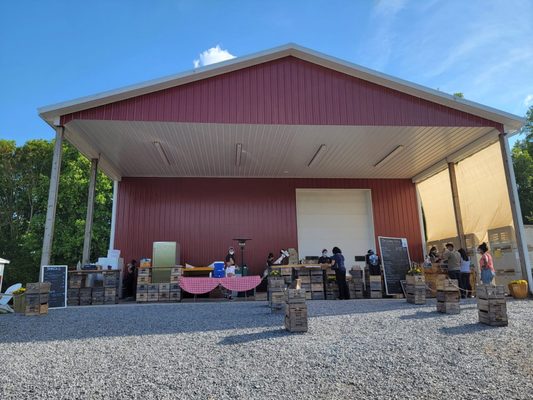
[205,285]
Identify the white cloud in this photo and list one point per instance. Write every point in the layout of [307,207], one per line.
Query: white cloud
[528,101]
[212,56]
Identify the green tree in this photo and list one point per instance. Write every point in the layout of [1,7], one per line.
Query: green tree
[24,183]
[523,166]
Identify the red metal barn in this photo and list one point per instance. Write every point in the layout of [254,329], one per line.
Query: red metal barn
[235,148]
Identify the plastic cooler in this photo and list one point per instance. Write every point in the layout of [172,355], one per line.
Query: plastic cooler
[218,271]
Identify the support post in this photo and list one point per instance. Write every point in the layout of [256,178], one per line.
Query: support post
[421,219]
[516,211]
[457,206]
[113,216]
[52,197]
[90,211]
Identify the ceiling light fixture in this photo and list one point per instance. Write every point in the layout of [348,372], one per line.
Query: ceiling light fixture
[161,151]
[397,150]
[238,154]
[319,153]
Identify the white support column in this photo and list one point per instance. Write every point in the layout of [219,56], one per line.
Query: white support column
[456,206]
[113,216]
[90,211]
[516,211]
[52,197]
[421,218]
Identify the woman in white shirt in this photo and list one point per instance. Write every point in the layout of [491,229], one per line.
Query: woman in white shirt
[464,281]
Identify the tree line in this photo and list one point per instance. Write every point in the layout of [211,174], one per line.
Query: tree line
[24,181]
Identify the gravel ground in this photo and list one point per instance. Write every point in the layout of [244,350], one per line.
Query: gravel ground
[357,348]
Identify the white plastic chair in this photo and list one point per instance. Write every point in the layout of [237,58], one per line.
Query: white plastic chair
[5,297]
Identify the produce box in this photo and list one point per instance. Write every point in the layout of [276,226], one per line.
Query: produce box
[448,308]
[448,296]
[144,279]
[144,272]
[415,279]
[175,296]
[142,297]
[445,284]
[490,292]
[295,296]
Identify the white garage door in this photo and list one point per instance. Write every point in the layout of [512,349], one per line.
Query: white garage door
[334,217]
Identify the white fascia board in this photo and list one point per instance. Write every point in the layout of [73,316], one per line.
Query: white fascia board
[512,123]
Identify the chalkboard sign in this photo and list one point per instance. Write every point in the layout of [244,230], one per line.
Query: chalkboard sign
[57,276]
[396,262]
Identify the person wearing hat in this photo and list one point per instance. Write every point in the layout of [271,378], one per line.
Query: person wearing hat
[324,259]
[373,262]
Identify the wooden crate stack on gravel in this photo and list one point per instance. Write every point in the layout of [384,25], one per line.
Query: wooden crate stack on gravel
[276,292]
[356,284]
[36,298]
[295,311]
[492,308]
[448,296]
[415,289]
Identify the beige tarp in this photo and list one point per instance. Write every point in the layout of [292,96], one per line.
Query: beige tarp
[483,197]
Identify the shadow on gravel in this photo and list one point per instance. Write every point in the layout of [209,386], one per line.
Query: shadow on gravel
[252,337]
[421,315]
[465,329]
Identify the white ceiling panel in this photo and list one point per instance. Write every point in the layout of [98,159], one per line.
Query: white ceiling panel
[208,150]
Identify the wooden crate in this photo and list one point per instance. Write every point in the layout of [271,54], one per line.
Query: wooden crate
[86,292]
[153,296]
[110,279]
[448,296]
[309,295]
[445,284]
[73,293]
[304,278]
[142,297]
[175,278]
[317,287]
[175,287]
[296,310]
[490,292]
[110,299]
[85,301]
[38,309]
[73,301]
[375,294]
[97,301]
[153,288]
[142,288]
[144,272]
[277,300]
[144,279]
[318,296]
[164,287]
[75,281]
[356,294]
[317,279]
[176,271]
[492,310]
[175,296]
[110,292]
[164,296]
[448,308]
[295,296]
[415,279]
[316,272]
[37,287]
[356,274]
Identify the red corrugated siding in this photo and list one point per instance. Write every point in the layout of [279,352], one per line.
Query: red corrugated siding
[287,91]
[204,214]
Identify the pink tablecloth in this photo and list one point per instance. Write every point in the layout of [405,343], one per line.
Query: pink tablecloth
[205,285]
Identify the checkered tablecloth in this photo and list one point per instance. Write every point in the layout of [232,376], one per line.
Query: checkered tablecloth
[205,285]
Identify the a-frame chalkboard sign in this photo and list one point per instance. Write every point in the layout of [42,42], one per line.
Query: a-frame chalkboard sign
[396,262]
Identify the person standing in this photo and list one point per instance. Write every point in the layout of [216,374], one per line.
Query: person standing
[486,264]
[324,259]
[337,265]
[373,263]
[453,260]
[464,283]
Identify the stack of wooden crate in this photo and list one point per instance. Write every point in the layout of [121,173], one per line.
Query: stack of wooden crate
[492,308]
[305,282]
[144,276]
[36,298]
[97,296]
[317,283]
[286,274]
[332,289]
[75,282]
[356,284]
[415,289]
[448,296]
[276,292]
[86,296]
[295,311]
[373,285]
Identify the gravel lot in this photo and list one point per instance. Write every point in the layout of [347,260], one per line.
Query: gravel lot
[356,348]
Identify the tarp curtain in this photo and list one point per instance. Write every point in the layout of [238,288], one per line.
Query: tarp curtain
[483,197]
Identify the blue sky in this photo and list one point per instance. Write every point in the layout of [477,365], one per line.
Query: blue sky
[57,50]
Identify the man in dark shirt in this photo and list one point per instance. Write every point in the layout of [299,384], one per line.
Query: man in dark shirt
[324,259]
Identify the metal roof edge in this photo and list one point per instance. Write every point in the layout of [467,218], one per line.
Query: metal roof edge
[512,123]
